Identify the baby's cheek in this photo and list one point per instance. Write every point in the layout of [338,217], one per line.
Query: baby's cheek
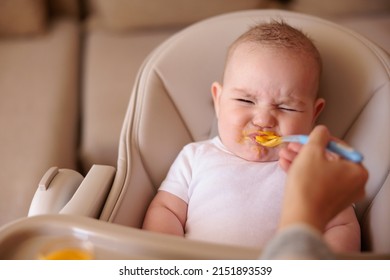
[296,125]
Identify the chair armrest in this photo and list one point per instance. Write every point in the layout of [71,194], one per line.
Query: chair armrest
[55,189]
[90,196]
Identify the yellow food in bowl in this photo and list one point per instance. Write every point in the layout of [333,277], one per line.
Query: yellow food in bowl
[68,254]
[66,248]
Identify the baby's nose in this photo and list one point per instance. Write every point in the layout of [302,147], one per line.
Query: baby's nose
[264,119]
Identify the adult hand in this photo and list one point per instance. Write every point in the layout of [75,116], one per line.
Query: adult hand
[318,186]
[287,154]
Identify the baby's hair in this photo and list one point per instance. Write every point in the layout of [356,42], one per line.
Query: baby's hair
[278,34]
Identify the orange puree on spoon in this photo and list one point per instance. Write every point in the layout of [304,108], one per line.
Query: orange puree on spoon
[268,139]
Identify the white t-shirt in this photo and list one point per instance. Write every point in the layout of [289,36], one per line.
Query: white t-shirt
[230,200]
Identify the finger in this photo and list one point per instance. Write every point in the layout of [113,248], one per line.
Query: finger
[319,136]
[294,147]
[290,151]
[287,153]
[332,156]
[362,179]
[285,158]
[284,164]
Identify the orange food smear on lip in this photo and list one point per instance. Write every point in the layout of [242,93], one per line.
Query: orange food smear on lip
[268,139]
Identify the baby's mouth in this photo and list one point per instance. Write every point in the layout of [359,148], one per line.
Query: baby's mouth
[267,139]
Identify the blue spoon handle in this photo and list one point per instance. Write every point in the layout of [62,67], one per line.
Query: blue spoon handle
[343,150]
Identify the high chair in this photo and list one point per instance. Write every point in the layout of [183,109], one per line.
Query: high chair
[171,105]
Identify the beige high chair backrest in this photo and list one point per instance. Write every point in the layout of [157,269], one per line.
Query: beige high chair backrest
[171,105]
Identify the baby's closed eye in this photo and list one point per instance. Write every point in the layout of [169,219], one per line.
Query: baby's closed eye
[288,108]
[243,100]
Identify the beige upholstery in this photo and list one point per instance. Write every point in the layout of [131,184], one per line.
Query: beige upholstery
[39,96]
[124,15]
[171,105]
[336,8]
[21,17]
[374,28]
[38,111]
[110,67]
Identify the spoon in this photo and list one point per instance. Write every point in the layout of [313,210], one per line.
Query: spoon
[271,140]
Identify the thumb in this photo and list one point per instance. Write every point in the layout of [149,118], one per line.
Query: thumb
[319,136]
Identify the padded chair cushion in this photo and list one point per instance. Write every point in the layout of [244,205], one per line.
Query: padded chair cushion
[376,28]
[21,17]
[136,14]
[111,65]
[39,78]
[340,8]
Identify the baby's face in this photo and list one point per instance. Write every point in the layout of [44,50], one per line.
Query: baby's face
[265,90]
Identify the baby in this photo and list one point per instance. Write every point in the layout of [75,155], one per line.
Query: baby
[229,189]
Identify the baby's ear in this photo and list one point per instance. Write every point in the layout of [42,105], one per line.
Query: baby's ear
[319,105]
[216,91]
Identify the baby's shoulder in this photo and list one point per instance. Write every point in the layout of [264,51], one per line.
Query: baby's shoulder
[205,144]
[200,147]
